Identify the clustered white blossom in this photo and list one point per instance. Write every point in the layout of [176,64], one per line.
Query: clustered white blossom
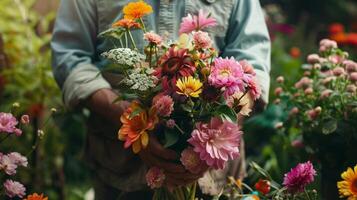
[124,56]
[141,79]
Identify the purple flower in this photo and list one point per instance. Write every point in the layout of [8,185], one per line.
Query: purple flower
[14,188]
[8,124]
[300,176]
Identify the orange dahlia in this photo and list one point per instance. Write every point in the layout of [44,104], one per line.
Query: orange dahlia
[136,10]
[36,196]
[126,23]
[348,186]
[136,124]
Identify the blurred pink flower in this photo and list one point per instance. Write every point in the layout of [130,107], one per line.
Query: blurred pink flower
[227,73]
[297,143]
[18,159]
[308,91]
[8,124]
[304,82]
[163,104]
[155,177]
[299,177]
[325,93]
[278,91]
[196,22]
[25,119]
[313,58]
[353,76]
[8,165]
[338,71]
[350,66]
[14,188]
[335,59]
[294,111]
[202,40]
[327,44]
[170,123]
[247,67]
[216,142]
[153,38]
[192,162]
[254,88]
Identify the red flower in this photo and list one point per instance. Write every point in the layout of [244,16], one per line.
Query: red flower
[263,186]
[352,39]
[336,28]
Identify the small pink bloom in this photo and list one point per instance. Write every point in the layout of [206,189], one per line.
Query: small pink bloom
[155,177]
[278,91]
[335,59]
[313,58]
[350,66]
[18,159]
[327,80]
[7,123]
[327,44]
[8,165]
[202,40]
[294,111]
[196,22]
[303,83]
[216,142]
[14,188]
[338,71]
[297,144]
[153,38]
[353,76]
[312,114]
[192,162]
[163,104]
[25,119]
[18,132]
[309,91]
[325,93]
[170,123]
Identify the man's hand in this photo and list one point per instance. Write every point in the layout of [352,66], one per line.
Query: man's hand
[101,102]
[156,155]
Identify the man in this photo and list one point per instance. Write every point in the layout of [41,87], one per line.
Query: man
[241,32]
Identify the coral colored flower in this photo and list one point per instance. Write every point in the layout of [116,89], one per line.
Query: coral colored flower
[299,177]
[36,196]
[216,142]
[153,38]
[348,186]
[196,22]
[228,74]
[189,86]
[14,188]
[192,162]
[8,123]
[202,40]
[263,186]
[155,177]
[295,52]
[163,104]
[136,10]
[25,119]
[126,23]
[136,124]
[176,63]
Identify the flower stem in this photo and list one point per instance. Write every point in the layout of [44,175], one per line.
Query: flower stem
[126,39]
[7,136]
[307,195]
[142,23]
[132,39]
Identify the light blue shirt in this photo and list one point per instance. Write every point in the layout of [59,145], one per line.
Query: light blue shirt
[241,32]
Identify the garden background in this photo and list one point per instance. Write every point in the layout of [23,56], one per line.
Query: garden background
[57,168]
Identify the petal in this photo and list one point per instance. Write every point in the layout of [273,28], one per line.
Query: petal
[144,139]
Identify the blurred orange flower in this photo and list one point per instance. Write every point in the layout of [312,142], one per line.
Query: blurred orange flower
[36,196]
[136,10]
[352,39]
[136,124]
[126,23]
[340,38]
[295,52]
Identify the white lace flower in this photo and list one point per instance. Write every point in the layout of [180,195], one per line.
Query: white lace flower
[124,56]
[141,80]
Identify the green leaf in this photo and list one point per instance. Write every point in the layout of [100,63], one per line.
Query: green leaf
[186,108]
[227,112]
[135,113]
[329,126]
[171,137]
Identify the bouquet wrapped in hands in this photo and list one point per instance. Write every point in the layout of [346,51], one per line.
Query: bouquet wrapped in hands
[182,96]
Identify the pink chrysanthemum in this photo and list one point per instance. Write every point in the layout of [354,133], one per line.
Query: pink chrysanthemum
[216,142]
[163,104]
[196,22]
[192,162]
[18,159]
[202,40]
[155,177]
[228,74]
[8,165]
[14,188]
[299,177]
[153,38]
[8,124]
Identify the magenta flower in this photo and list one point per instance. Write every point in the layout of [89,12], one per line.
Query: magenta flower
[8,165]
[216,142]
[196,22]
[18,159]
[155,177]
[192,162]
[227,74]
[202,40]
[8,124]
[14,188]
[299,177]
[153,38]
[163,104]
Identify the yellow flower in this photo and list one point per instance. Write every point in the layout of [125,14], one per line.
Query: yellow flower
[348,187]
[136,10]
[189,86]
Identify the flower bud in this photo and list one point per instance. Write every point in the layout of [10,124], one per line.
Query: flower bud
[280,79]
[16,105]
[53,110]
[325,94]
[338,71]
[278,91]
[353,76]
[351,88]
[277,101]
[317,66]
[25,119]
[318,109]
[294,111]
[279,125]
[350,66]
[308,91]
[40,133]
[297,144]
[313,58]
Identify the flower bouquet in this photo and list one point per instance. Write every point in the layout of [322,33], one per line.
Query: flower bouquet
[181,94]
[323,106]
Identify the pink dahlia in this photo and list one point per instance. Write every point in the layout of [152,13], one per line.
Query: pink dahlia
[163,104]
[216,142]
[18,159]
[196,22]
[8,124]
[299,177]
[8,165]
[228,74]
[192,162]
[153,38]
[155,177]
[14,188]
[202,40]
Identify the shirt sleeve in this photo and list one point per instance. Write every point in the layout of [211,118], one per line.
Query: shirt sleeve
[248,38]
[73,51]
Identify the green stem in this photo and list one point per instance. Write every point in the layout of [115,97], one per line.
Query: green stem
[193,191]
[132,39]
[126,39]
[150,56]
[7,136]
[307,195]
[142,23]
